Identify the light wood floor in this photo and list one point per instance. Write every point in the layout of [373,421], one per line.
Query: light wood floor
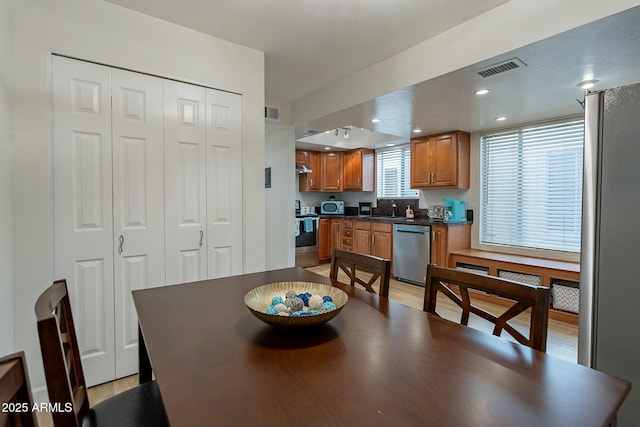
[562,338]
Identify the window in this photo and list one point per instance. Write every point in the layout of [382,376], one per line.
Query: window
[531,187]
[393,173]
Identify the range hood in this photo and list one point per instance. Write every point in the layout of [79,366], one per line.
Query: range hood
[303,169]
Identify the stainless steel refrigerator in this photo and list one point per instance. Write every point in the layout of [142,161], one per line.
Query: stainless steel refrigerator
[609,325]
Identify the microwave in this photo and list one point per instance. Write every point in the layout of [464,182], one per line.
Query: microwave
[332,207]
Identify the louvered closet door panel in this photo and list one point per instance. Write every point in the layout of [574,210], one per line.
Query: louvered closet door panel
[138,195]
[224,183]
[82,207]
[185,173]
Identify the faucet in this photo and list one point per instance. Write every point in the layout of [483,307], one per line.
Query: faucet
[393,208]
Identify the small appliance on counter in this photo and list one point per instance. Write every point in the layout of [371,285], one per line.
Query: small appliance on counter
[364,208]
[332,207]
[455,210]
[436,213]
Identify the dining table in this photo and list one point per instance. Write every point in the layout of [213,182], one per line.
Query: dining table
[377,363]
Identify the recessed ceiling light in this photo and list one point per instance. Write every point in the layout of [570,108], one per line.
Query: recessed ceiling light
[587,84]
[482,91]
[391,144]
[500,119]
[327,148]
[417,130]
[375,120]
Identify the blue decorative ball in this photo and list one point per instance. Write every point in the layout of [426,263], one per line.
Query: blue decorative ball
[329,306]
[276,300]
[271,310]
[327,298]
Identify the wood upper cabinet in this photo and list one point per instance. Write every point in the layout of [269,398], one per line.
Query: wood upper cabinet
[324,239]
[440,161]
[446,239]
[310,181]
[331,171]
[359,170]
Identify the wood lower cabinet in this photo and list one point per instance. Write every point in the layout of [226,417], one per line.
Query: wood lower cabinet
[336,234]
[347,234]
[446,239]
[382,240]
[324,239]
[441,161]
[373,238]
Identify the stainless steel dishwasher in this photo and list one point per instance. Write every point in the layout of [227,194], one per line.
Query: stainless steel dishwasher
[411,252]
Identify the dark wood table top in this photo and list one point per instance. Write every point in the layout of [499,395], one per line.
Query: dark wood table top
[378,363]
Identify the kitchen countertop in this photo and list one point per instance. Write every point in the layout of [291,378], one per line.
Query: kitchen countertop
[395,220]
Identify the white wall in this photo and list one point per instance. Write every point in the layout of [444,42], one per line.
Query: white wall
[106,33]
[280,155]
[6,282]
[521,22]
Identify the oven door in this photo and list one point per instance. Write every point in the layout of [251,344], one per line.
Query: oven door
[307,242]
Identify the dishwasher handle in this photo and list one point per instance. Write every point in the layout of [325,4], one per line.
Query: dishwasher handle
[411,230]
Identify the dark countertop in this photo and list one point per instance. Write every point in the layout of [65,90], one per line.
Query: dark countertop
[395,220]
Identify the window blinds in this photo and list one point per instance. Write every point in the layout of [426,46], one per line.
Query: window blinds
[393,173]
[531,187]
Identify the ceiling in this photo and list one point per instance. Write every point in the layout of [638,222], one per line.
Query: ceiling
[309,44]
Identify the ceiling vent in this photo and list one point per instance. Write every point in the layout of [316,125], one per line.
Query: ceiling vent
[272,113]
[502,67]
[310,132]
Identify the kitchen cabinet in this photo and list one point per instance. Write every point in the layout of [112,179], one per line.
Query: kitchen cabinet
[446,239]
[331,171]
[324,239]
[347,234]
[336,233]
[362,237]
[373,238]
[309,181]
[440,161]
[359,170]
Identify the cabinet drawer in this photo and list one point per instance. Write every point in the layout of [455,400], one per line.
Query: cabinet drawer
[383,227]
[347,233]
[347,242]
[347,224]
[362,225]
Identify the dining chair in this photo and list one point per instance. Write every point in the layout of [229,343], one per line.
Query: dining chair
[15,392]
[353,264]
[140,406]
[455,285]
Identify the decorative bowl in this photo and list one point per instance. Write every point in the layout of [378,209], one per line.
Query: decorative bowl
[258,299]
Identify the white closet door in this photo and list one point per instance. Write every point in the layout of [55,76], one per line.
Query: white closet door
[224,183]
[82,208]
[138,202]
[185,182]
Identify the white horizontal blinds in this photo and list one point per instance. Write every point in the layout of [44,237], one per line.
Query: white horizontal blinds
[531,187]
[392,173]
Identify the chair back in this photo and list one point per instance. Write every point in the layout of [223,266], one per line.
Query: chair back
[355,264]
[15,392]
[60,354]
[455,285]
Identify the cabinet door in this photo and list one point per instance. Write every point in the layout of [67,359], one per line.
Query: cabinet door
[331,171]
[353,170]
[443,163]
[382,244]
[302,158]
[362,238]
[336,234]
[185,182]
[420,167]
[439,245]
[324,239]
[311,181]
